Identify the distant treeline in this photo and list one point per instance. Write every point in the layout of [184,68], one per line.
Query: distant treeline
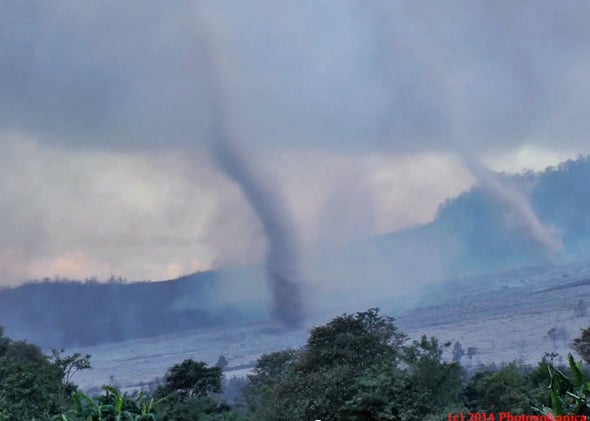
[63,312]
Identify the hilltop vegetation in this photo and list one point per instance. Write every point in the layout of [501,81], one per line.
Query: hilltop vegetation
[62,312]
[476,233]
[493,240]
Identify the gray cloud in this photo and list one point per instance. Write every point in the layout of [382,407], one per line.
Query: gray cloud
[99,74]
[470,75]
[357,75]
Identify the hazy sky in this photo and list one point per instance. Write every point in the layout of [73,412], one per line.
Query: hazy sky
[358,111]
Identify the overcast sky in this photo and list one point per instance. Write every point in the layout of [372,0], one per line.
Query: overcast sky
[359,112]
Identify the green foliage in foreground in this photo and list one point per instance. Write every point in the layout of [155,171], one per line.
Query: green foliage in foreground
[31,385]
[360,367]
[185,395]
[570,394]
[112,405]
[190,392]
[356,367]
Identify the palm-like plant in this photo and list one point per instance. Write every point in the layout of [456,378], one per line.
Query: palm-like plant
[112,406]
[570,395]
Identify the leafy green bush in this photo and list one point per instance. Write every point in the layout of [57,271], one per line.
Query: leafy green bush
[501,390]
[31,386]
[570,395]
[111,406]
[356,367]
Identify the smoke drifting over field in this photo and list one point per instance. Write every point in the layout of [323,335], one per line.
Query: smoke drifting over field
[458,122]
[282,265]
[282,258]
[514,201]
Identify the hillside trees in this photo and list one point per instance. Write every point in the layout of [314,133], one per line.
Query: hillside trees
[582,345]
[190,392]
[191,379]
[421,387]
[69,365]
[356,367]
[30,385]
[34,386]
[270,371]
[506,389]
[314,382]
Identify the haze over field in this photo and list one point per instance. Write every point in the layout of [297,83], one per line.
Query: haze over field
[355,120]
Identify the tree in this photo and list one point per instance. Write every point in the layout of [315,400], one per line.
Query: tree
[458,352]
[4,341]
[503,390]
[191,379]
[383,393]
[68,366]
[221,362]
[270,370]
[357,340]
[188,393]
[439,382]
[30,385]
[316,381]
[582,345]
[423,387]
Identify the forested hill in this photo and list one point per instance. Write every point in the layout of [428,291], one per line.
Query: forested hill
[67,313]
[560,197]
[475,233]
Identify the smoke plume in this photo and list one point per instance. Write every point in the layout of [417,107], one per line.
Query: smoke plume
[282,259]
[547,237]
[462,97]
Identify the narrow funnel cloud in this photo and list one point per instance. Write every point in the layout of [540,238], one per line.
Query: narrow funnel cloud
[545,236]
[282,259]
